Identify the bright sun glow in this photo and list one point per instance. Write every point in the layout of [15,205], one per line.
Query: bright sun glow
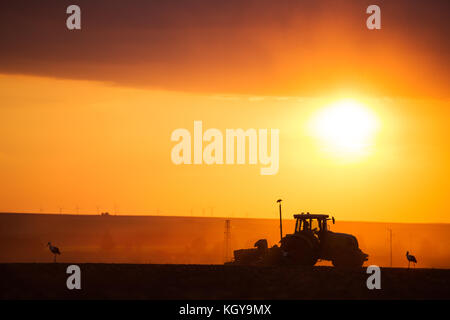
[346,127]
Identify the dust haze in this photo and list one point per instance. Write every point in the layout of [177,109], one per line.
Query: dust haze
[197,240]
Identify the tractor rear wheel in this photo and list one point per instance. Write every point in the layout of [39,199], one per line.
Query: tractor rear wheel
[298,251]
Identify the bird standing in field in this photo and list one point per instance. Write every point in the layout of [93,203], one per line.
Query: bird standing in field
[411,258]
[53,250]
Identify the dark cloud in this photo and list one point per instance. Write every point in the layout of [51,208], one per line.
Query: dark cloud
[256,47]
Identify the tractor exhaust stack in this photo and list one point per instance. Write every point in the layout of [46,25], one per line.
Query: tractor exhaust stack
[281,224]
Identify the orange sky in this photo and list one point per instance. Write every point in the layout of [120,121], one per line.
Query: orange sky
[86,118]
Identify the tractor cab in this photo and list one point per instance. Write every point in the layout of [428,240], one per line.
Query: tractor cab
[311,223]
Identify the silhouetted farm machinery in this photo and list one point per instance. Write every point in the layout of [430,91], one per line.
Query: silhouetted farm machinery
[312,240]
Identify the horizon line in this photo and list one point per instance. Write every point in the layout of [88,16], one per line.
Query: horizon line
[196,217]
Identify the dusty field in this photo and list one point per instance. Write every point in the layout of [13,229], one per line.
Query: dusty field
[134,281]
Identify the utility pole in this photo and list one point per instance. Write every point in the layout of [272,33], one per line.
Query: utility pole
[281,224]
[390,243]
[227,238]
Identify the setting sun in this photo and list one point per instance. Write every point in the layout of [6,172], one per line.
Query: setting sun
[345,127]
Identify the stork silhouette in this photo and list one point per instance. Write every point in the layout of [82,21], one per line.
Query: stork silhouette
[54,250]
[411,258]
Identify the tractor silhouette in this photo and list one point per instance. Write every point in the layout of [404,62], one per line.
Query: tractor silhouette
[311,241]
